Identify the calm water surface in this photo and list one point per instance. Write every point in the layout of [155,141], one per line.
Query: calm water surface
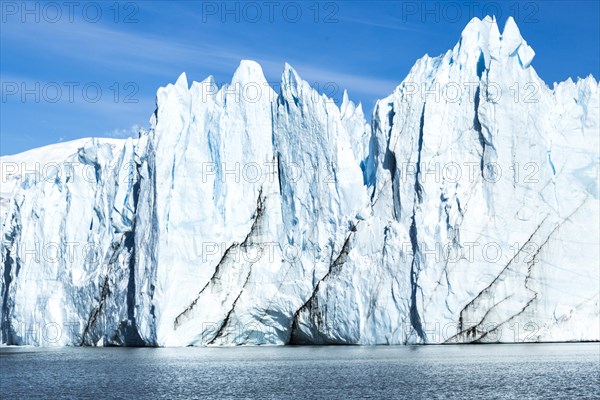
[522,371]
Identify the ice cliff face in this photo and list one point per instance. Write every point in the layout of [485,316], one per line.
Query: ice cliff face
[467,211]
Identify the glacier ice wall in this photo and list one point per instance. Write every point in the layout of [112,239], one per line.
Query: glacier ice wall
[467,211]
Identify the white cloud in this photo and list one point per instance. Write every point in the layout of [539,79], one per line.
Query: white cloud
[123,133]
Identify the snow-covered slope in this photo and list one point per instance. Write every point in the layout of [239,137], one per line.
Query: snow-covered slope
[41,163]
[466,211]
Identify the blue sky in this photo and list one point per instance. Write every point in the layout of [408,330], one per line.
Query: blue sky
[92,69]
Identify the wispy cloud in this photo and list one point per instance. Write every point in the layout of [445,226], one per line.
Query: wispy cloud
[31,91]
[354,84]
[151,54]
[116,48]
[386,23]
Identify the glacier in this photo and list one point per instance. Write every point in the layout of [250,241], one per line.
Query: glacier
[465,211]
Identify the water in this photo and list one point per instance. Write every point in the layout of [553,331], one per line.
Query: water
[521,371]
